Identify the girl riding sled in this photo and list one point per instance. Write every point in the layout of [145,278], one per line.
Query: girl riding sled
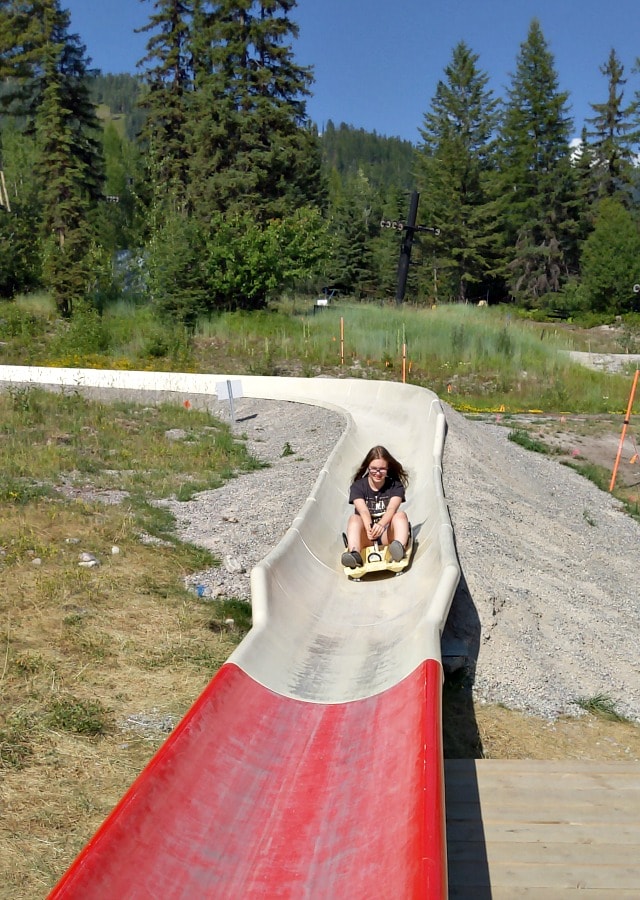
[376,492]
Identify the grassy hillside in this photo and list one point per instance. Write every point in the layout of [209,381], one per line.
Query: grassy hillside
[478,359]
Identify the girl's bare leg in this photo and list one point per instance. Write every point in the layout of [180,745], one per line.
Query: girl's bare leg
[398,529]
[356,535]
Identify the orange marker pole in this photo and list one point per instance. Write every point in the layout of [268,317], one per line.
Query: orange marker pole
[341,340]
[404,363]
[627,419]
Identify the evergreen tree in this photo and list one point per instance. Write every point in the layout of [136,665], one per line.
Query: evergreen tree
[253,148]
[451,170]
[49,69]
[353,222]
[535,187]
[610,261]
[231,145]
[119,225]
[176,269]
[169,80]
[20,263]
[612,135]
[584,166]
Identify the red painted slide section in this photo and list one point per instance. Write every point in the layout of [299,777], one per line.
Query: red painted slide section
[256,795]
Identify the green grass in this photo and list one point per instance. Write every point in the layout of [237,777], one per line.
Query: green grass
[476,359]
[79,716]
[601,705]
[145,452]
[523,438]
[16,747]
[601,477]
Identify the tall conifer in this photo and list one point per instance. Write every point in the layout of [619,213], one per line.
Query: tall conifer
[168,75]
[612,135]
[452,164]
[48,69]
[253,148]
[535,186]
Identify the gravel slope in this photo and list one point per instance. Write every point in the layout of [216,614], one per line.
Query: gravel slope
[552,612]
[548,609]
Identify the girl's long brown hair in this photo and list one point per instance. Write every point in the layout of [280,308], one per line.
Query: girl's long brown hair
[395,469]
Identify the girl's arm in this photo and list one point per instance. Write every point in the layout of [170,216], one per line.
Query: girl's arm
[363,511]
[382,524]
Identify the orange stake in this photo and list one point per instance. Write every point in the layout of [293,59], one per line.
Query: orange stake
[627,419]
[404,363]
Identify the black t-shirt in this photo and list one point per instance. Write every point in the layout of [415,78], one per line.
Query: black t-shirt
[377,501]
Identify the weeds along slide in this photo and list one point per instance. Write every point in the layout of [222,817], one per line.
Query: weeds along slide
[311,765]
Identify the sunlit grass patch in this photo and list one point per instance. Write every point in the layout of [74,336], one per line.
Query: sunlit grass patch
[76,645]
[597,474]
[16,746]
[476,358]
[601,705]
[79,716]
[150,450]
[524,439]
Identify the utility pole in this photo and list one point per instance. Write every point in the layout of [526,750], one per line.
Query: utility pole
[409,229]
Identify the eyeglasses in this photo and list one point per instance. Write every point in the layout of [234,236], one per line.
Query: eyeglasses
[376,469]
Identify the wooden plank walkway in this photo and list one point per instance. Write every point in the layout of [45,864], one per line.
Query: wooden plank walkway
[543,829]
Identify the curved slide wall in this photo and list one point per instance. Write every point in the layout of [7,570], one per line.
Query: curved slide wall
[311,766]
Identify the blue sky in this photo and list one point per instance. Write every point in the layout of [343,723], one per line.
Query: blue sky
[377,62]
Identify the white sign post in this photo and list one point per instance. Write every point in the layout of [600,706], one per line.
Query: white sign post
[228,390]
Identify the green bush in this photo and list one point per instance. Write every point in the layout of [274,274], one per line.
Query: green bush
[610,261]
[84,334]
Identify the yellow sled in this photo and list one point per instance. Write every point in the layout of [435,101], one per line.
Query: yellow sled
[378,559]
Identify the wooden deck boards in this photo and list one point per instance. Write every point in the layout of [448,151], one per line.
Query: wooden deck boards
[543,829]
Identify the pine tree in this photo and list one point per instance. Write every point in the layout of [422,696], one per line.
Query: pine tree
[20,265]
[253,148]
[535,187]
[613,135]
[169,80]
[452,164]
[352,223]
[49,69]
[585,169]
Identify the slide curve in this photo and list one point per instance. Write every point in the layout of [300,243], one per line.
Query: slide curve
[311,766]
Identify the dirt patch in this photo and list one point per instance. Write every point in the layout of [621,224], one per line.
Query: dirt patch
[587,439]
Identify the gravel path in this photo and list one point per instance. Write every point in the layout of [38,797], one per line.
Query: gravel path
[606,362]
[548,609]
